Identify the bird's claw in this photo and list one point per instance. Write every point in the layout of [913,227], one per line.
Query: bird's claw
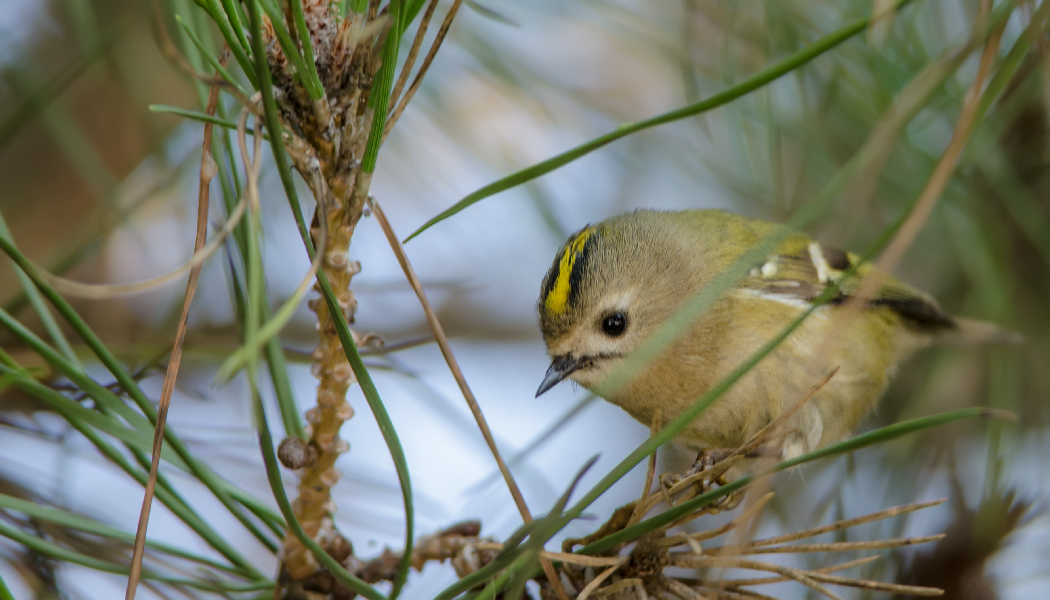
[705,460]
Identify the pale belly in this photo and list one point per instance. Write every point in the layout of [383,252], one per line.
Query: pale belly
[777,383]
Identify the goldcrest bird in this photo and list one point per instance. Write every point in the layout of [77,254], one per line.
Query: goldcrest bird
[615,283]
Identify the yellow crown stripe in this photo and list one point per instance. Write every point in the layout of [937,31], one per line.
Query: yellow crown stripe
[558,299]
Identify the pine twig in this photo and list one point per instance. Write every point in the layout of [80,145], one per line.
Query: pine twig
[457,373]
[208,170]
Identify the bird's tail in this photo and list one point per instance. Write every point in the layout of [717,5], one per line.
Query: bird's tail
[971,331]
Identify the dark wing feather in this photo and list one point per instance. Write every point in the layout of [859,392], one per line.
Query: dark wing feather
[803,271]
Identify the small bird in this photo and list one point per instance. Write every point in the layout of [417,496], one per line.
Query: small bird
[615,283]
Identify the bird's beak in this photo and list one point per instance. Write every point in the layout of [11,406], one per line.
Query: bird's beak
[562,367]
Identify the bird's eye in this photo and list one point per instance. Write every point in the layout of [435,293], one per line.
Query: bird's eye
[614,324]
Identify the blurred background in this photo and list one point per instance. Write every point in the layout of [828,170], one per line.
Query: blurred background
[95,185]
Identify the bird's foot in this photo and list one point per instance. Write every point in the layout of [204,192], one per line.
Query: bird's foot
[705,461]
[707,473]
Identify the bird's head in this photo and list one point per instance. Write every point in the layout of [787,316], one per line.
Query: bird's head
[609,288]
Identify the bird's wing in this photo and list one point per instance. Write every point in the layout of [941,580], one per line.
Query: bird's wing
[802,271]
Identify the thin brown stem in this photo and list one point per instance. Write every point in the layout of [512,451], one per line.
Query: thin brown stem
[208,170]
[457,373]
[938,180]
[880,144]
[730,583]
[565,557]
[847,523]
[689,560]
[413,52]
[824,575]
[450,359]
[681,590]
[737,594]
[371,350]
[612,588]
[866,584]
[713,533]
[397,346]
[745,524]
[869,285]
[709,474]
[946,166]
[832,546]
[396,113]
[597,581]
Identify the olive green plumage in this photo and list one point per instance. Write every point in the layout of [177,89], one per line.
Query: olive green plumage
[614,283]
